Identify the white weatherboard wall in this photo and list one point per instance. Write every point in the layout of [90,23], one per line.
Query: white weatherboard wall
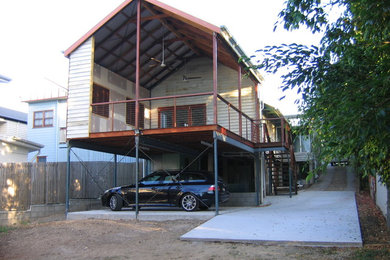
[11,153]
[48,136]
[12,128]
[80,73]
[381,196]
[227,88]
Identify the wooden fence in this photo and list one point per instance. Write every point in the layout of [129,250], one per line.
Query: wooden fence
[26,184]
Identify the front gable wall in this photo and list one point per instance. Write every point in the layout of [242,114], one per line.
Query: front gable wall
[201,71]
[79,95]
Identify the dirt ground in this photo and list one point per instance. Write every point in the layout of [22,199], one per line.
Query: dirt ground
[55,238]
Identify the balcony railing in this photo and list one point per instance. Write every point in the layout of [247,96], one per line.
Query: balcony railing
[275,130]
[178,111]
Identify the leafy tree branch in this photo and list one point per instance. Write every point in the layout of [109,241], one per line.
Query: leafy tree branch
[344,83]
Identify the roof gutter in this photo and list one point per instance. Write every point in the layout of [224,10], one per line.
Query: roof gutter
[240,53]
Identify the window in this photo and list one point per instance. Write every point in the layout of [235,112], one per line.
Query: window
[130,114]
[41,159]
[152,179]
[62,135]
[100,95]
[192,177]
[166,118]
[43,118]
[191,115]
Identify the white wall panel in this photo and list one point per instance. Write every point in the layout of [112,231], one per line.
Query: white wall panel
[80,66]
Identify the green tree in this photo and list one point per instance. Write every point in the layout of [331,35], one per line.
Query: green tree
[344,82]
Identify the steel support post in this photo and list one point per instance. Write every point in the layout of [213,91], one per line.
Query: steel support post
[115,169]
[262,174]
[67,188]
[270,176]
[216,174]
[136,175]
[257,178]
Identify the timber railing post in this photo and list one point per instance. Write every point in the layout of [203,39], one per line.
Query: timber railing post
[215,76]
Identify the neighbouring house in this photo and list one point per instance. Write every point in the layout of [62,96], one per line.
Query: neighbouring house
[14,145]
[47,125]
[153,82]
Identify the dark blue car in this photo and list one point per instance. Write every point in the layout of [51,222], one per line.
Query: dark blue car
[190,190]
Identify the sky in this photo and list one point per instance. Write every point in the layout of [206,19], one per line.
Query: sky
[34,35]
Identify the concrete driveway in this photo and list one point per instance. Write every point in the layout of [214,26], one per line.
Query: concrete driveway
[325,215]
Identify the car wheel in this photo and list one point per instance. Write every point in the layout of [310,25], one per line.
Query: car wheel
[116,202]
[189,202]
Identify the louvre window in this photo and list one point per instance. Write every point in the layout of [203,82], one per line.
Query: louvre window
[130,114]
[190,115]
[100,95]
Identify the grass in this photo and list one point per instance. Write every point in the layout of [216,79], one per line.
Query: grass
[5,229]
[363,254]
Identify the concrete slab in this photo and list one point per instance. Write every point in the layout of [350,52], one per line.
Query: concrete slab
[148,214]
[312,218]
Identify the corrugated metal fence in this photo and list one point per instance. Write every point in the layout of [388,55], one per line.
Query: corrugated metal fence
[26,184]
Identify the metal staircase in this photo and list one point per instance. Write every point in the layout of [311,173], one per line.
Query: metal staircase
[282,170]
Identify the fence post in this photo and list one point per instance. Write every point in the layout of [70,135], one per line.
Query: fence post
[67,188]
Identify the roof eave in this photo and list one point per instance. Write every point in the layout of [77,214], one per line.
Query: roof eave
[200,24]
[29,145]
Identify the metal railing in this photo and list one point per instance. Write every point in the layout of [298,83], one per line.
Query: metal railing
[190,110]
[280,131]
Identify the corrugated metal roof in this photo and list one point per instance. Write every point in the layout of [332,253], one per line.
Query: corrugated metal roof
[13,115]
[169,39]
[271,112]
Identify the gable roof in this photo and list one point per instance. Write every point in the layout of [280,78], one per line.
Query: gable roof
[167,34]
[13,115]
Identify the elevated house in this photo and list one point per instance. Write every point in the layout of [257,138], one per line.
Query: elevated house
[153,82]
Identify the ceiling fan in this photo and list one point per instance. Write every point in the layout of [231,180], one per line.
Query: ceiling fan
[162,61]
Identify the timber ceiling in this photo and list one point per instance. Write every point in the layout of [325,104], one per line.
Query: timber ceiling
[166,35]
